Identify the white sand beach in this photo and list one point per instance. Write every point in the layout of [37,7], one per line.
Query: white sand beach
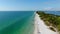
[41,28]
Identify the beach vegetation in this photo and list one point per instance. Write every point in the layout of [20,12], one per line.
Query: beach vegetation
[50,19]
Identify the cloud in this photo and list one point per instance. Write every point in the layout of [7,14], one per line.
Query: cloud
[51,9]
[48,8]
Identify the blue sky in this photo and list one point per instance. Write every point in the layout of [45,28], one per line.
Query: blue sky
[29,4]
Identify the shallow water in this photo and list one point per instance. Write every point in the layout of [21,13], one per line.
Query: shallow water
[16,22]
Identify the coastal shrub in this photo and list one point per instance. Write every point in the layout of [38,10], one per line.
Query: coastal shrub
[50,19]
[52,29]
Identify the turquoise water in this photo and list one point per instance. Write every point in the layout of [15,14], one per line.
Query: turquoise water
[16,22]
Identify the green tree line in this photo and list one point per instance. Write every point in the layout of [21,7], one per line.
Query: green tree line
[50,19]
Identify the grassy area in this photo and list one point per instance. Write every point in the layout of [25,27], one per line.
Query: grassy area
[50,19]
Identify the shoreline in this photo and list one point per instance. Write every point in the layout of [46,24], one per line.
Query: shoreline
[36,30]
[40,27]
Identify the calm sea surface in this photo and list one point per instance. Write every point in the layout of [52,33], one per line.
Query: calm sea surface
[53,12]
[16,22]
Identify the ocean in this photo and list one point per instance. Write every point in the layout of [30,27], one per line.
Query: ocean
[53,12]
[17,22]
